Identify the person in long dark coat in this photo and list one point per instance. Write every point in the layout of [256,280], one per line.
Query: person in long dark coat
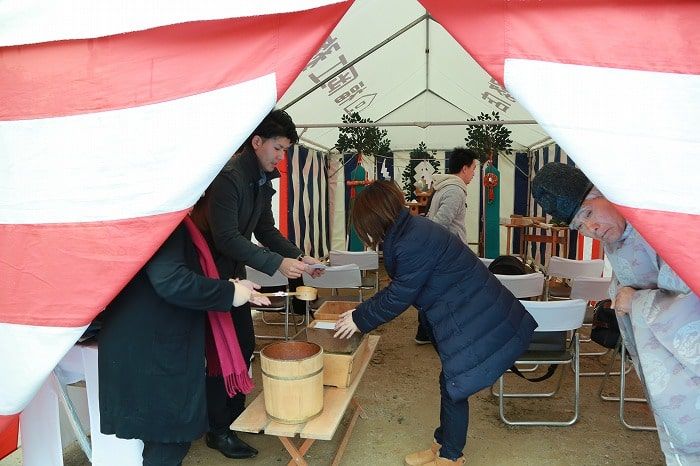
[476,325]
[151,351]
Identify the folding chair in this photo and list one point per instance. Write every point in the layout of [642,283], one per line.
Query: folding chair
[552,316]
[621,350]
[590,289]
[348,277]
[523,286]
[366,261]
[279,304]
[558,267]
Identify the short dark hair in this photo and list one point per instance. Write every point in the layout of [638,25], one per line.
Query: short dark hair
[460,157]
[276,124]
[375,209]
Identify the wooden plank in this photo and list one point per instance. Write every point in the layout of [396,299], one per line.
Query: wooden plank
[283,430]
[336,401]
[254,418]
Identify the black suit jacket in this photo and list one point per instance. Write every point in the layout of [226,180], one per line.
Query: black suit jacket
[151,347]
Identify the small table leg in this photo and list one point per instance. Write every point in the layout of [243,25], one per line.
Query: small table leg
[297,454]
[346,437]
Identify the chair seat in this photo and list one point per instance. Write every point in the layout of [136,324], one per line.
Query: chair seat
[277,304]
[539,357]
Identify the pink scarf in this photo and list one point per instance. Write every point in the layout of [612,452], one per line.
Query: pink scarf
[224,356]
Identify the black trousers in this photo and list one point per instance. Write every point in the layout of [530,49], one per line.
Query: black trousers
[221,409]
[454,415]
[164,454]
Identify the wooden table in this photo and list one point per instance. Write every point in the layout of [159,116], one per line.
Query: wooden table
[323,427]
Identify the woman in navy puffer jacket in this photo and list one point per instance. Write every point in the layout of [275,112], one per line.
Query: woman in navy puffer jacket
[476,325]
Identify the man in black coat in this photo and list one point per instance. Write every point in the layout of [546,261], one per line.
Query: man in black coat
[151,351]
[240,204]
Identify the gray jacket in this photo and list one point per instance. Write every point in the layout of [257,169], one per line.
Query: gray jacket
[448,206]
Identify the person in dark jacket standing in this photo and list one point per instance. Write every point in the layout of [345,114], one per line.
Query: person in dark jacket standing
[152,350]
[476,325]
[240,205]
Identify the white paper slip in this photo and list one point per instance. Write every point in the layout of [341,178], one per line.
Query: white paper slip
[324,325]
[343,267]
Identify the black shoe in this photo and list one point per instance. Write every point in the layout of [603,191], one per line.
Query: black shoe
[421,337]
[230,445]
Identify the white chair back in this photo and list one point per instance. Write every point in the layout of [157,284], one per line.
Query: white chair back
[523,286]
[365,260]
[590,289]
[263,279]
[485,261]
[569,268]
[345,278]
[554,316]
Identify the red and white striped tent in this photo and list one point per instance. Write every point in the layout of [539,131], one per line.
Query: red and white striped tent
[114,120]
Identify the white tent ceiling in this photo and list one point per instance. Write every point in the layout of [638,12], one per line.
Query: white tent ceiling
[423,75]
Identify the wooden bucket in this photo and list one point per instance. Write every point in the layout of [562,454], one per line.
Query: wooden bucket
[292,374]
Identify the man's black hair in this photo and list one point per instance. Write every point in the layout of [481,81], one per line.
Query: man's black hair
[460,157]
[277,123]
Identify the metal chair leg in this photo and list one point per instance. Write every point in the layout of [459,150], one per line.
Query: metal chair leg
[622,397]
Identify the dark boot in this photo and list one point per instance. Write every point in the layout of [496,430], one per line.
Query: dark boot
[230,445]
[422,336]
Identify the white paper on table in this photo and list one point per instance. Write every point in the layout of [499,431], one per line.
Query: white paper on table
[324,325]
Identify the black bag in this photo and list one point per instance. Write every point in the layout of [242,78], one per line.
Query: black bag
[508,265]
[605,331]
[541,341]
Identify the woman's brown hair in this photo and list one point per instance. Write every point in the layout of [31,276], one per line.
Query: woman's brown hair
[376,208]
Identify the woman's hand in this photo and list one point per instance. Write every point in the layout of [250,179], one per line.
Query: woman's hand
[308,260]
[250,295]
[345,326]
[623,300]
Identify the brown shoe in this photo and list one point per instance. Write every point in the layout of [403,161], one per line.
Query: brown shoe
[440,461]
[422,457]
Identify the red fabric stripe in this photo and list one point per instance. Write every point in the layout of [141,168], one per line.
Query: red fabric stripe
[156,65]
[9,430]
[673,236]
[596,250]
[628,34]
[579,246]
[63,275]
[282,214]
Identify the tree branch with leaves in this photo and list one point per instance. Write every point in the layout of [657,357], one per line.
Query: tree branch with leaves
[488,140]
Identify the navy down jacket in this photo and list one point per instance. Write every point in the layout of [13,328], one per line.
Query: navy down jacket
[480,328]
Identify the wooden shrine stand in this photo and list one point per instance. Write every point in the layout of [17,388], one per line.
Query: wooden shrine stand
[323,427]
[420,205]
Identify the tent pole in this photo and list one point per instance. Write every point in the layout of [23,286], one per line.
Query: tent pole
[420,124]
[361,57]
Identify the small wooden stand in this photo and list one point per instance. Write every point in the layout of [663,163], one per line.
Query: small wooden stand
[323,427]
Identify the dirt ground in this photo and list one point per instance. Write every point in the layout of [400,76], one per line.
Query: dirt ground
[400,396]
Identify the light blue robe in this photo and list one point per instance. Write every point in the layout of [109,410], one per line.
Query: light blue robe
[662,333]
